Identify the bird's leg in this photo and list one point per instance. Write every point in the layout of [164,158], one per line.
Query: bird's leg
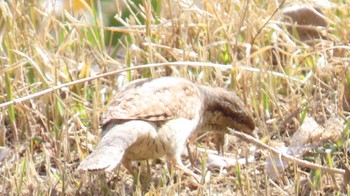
[220,142]
[191,157]
[128,165]
[189,153]
[176,160]
[148,168]
[138,175]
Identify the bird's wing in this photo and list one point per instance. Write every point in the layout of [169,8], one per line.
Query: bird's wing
[154,100]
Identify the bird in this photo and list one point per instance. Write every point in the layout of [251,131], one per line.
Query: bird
[153,118]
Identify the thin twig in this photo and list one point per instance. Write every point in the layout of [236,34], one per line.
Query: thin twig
[185,63]
[268,20]
[284,156]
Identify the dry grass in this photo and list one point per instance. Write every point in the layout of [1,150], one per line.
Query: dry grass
[280,79]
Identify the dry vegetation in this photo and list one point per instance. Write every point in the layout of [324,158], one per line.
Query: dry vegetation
[48,125]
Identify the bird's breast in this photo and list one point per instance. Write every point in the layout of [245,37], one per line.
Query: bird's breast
[168,139]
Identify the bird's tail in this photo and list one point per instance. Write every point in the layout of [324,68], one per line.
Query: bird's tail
[110,151]
[105,157]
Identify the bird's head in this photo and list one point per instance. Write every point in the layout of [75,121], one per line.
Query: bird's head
[227,110]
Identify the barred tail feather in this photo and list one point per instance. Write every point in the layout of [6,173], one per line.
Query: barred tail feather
[103,158]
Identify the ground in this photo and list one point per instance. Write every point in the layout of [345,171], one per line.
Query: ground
[52,94]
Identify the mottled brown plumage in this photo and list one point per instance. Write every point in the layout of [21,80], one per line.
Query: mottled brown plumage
[153,118]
